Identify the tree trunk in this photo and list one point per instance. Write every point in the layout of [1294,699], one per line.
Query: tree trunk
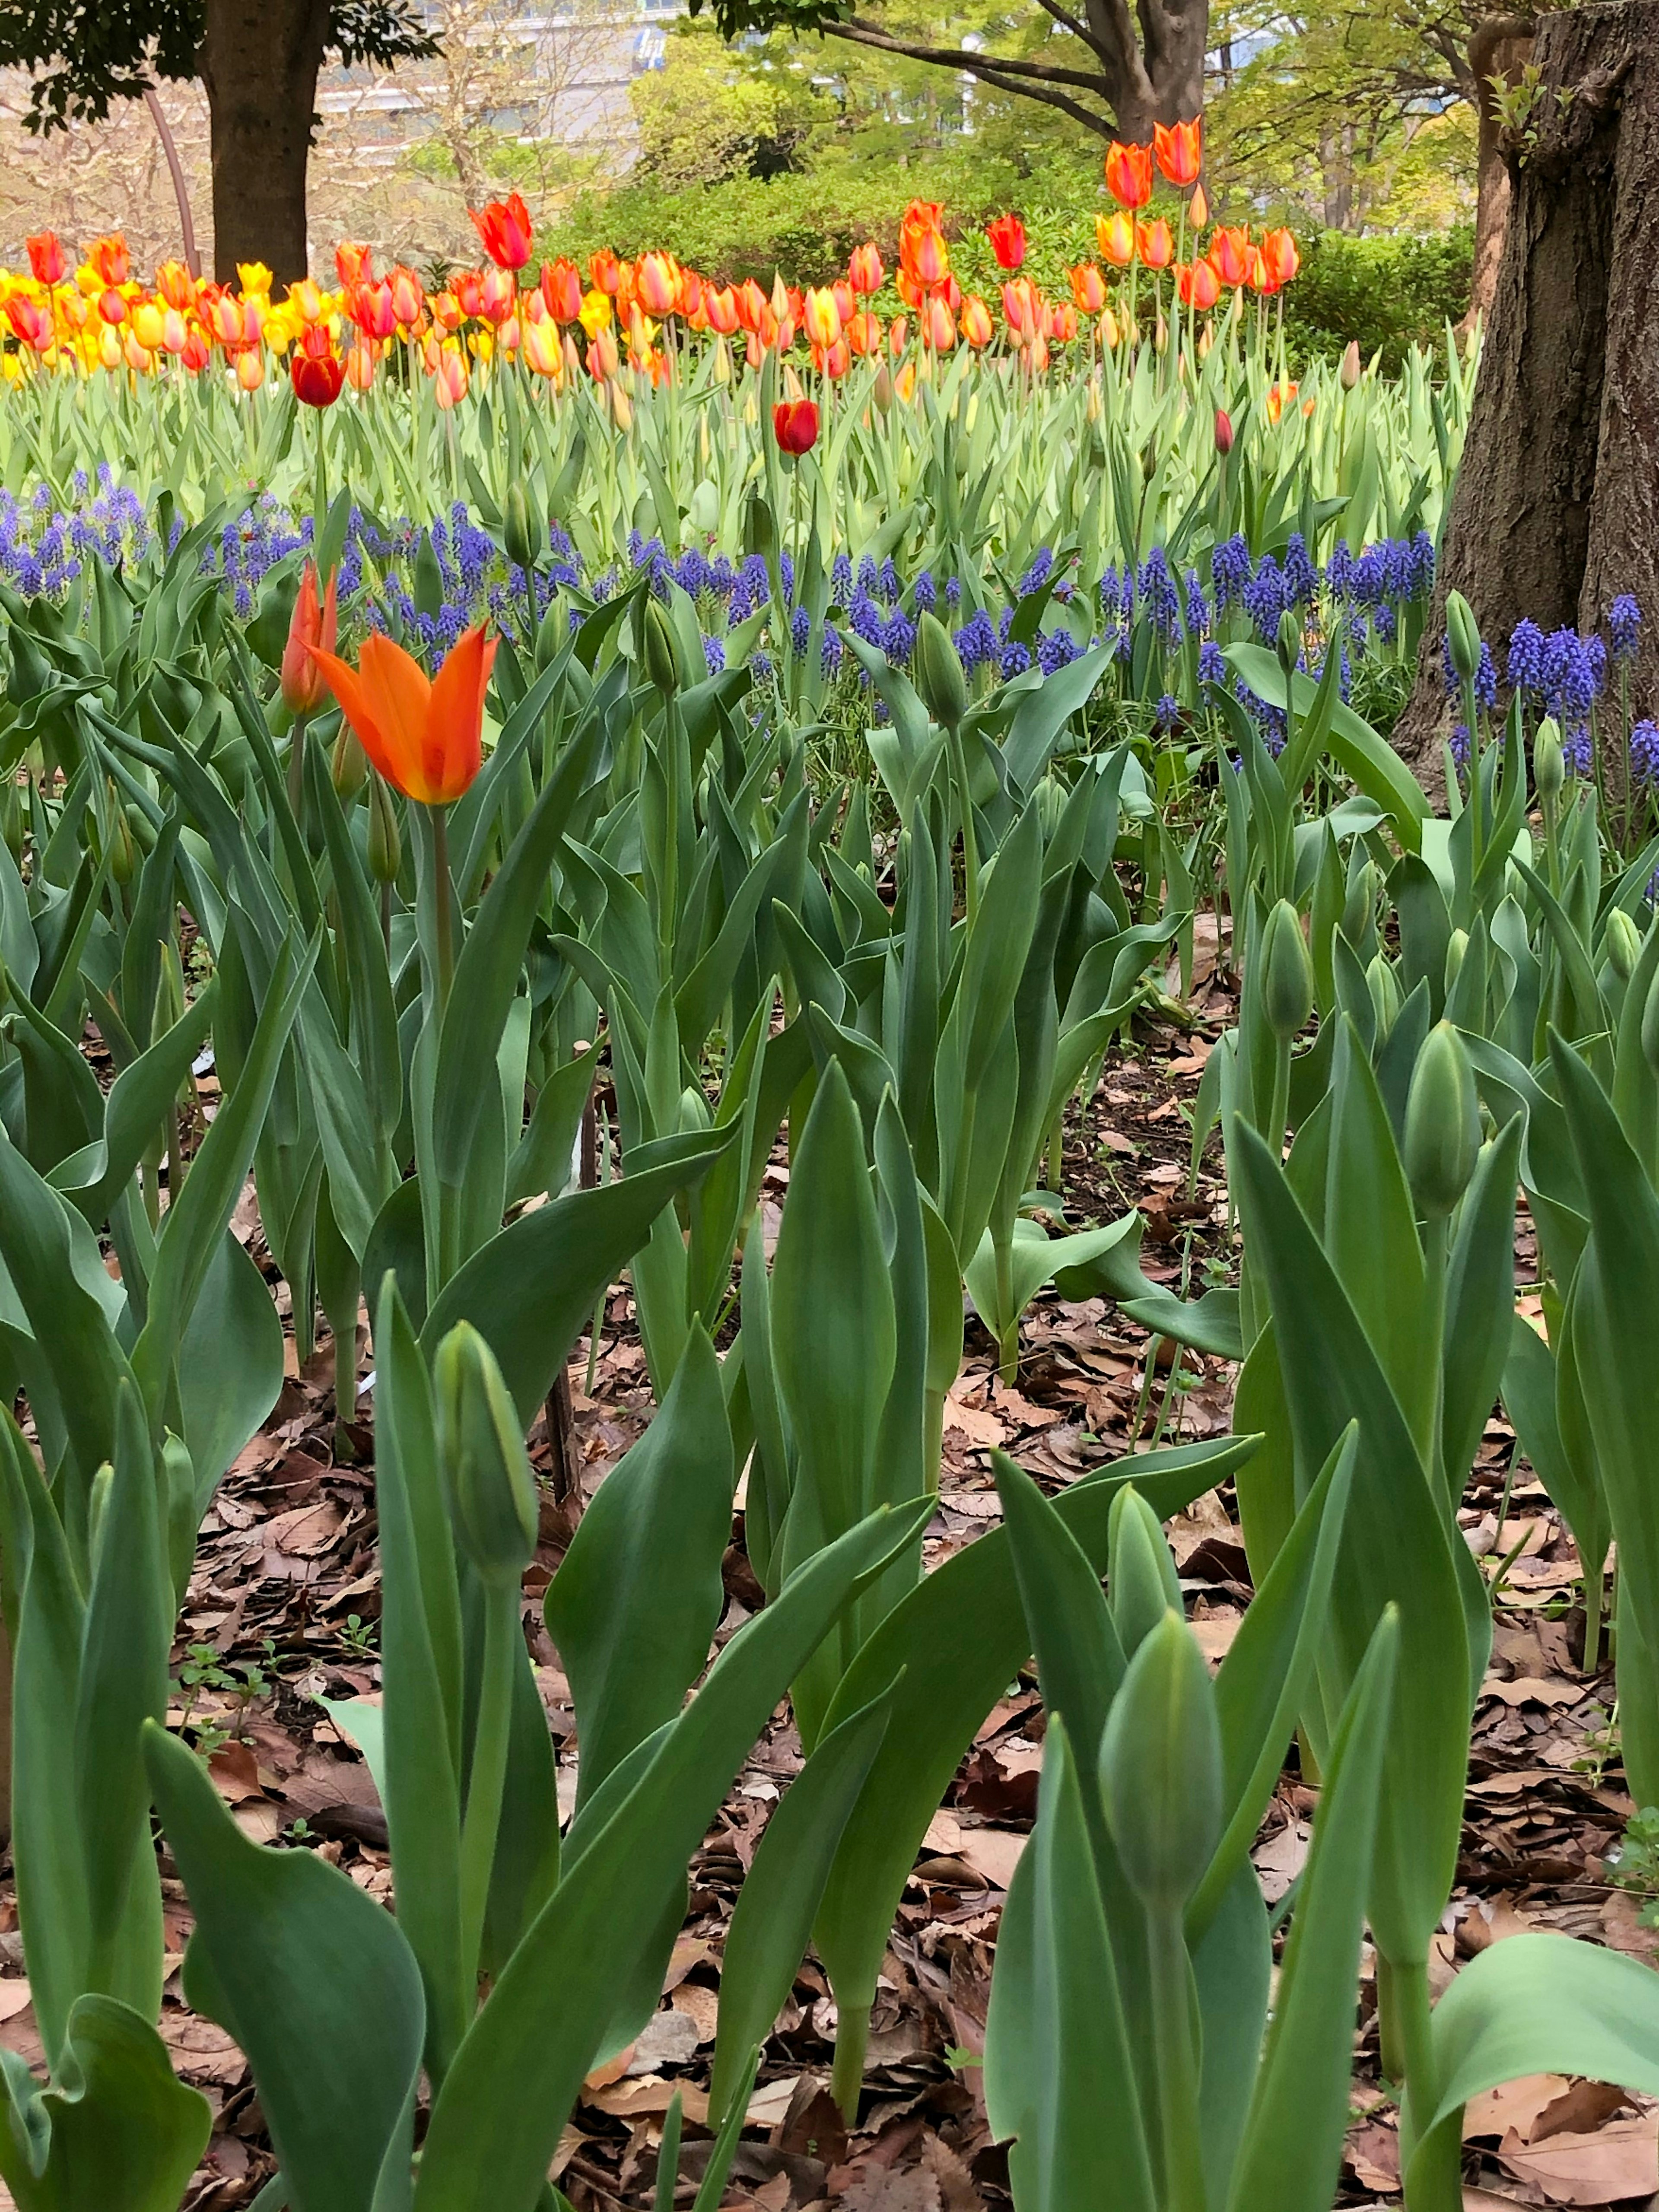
[1500,48]
[260,61]
[1553,512]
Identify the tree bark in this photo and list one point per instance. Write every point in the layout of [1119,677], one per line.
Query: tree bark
[1500,48]
[259,62]
[1553,512]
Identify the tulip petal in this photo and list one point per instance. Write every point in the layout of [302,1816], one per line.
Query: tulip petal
[357,705]
[454,723]
[402,696]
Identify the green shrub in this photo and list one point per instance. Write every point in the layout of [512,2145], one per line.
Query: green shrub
[1390,294]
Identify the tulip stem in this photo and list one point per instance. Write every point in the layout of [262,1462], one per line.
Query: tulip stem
[443,936]
[1177,2071]
[488,1768]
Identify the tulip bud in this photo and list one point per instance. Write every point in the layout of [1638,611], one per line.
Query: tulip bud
[1223,432]
[1288,643]
[123,853]
[760,535]
[1443,1123]
[1651,1028]
[1623,943]
[1549,762]
[695,1120]
[1384,985]
[385,844]
[1160,1767]
[429,578]
[492,1490]
[1348,374]
[662,663]
[521,530]
[882,390]
[348,765]
[1287,976]
[1359,908]
[1462,637]
[1050,798]
[940,676]
[1140,1575]
[1456,945]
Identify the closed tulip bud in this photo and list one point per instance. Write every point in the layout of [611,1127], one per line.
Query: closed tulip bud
[1050,797]
[1223,432]
[1651,1027]
[1384,985]
[1287,977]
[1140,1575]
[521,530]
[1160,1767]
[347,765]
[1359,908]
[492,1490]
[1288,643]
[940,676]
[1549,762]
[882,391]
[1462,637]
[1456,945]
[1443,1123]
[1623,943]
[1348,374]
[662,663]
[385,849]
[123,853]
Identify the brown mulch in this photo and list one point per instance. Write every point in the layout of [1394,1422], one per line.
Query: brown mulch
[283,1607]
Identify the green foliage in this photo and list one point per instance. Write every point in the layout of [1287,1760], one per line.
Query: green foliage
[1387,294]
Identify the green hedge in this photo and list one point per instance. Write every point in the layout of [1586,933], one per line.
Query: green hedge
[1388,292]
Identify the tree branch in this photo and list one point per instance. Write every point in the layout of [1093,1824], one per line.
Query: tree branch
[1033,82]
[960,58]
[1070,22]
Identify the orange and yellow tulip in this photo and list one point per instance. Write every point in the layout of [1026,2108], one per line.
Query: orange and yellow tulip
[1115,234]
[1154,244]
[423,735]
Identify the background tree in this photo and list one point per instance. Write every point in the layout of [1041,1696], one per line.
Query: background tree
[1113,71]
[258,62]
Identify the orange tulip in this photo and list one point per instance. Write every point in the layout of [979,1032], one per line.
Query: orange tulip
[976,326]
[312,622]
[721,309]
[353,264]
[148,324]
[1199,286]
[1278,398]
[1088,288]
[1115,234]
[407,297]
[109,259]
[361,362]
[1230,254]
[111,307]
[423,735]
[898,335]
[467,285]
[196,353]
[1154,244]
[940,325]
[1062,323]
[1129,174]
[450,377]
[1278,251]
[864,333]
[500,296]
[30,322]
[1261,277]
[1179,150]
[604,270]
[305,300]
[1198,209]
[1019,304]
[47,261]
[653,283]
[250,368]
[372,310]
[562,288]
[864,268]
[504,227]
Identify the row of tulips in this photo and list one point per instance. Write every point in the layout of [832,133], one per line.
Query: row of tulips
[96,315]
[587,835]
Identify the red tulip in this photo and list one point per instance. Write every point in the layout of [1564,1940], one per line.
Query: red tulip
[1223,432]
[30,322]
[504,227]
[1007,237]
[1129,174]
[47,259]
[795,425]
[317,375]
[1180,151]
[423,735]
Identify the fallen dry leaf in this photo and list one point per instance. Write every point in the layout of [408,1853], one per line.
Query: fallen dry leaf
[1619,2160]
